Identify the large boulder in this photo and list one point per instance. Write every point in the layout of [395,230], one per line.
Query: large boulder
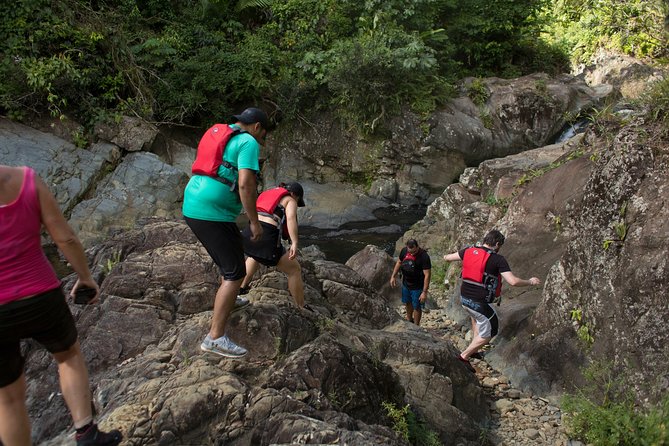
[69,171]
[141,186]
[375,266]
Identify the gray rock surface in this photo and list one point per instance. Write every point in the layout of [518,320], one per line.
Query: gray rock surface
[141,186]
[69,171]
[421,158]
[590,223]
[315,375]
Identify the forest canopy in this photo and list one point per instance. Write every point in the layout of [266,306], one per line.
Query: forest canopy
[193,62]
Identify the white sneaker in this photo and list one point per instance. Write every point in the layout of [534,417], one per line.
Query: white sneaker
[222,346]
[240,303]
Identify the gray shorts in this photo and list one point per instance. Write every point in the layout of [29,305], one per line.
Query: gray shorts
[484,314]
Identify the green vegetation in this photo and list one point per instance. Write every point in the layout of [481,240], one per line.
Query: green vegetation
[605,414]
[111,262]
[195,62]
[634,27]
[584,331]
[409,427]
[657,101]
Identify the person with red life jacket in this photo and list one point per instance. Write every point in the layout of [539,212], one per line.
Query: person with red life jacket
[482,271]
[212,202]
[277,212]
[32,305]
[416,267]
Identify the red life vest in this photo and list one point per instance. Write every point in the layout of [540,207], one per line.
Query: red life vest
[267,203]
[473,272]
[408,265]
[210,150]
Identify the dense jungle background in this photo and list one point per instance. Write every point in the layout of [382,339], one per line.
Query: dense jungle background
[546,119]
[190,63]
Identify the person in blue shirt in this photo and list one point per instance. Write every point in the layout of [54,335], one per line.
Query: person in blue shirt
[211,207]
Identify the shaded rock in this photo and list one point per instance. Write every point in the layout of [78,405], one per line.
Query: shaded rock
[418,161]
[131,134]
[375,266]
[349,380]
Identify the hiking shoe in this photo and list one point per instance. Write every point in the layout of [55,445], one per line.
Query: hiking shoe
[240,303]
[95,437]
[244,290]
[222,346]
[477,355]
[467,364]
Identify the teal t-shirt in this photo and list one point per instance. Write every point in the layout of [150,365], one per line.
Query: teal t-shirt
[208,199]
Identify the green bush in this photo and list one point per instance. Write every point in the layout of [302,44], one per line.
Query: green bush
[605,414]
[657,100]
[409,427]
[634,27]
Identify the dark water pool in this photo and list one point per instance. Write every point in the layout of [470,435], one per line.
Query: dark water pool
[340,244]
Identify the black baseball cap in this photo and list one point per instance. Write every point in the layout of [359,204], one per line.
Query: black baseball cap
[296,188]
[252,115]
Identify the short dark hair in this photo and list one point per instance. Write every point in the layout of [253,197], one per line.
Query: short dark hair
[493,238]
[412,243]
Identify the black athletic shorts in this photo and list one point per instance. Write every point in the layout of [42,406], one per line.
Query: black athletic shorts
[223,242]
[268,250]
[45,318]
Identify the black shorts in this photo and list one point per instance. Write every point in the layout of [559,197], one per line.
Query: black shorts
[45,318]
[223,242]
[268,250]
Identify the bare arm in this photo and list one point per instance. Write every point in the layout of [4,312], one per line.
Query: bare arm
[249,195]
[291,222]
[65,238]
[393,276]
[452,257]
[514,280]
[426,284]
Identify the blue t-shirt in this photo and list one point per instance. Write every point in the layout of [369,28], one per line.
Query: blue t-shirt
[205,198]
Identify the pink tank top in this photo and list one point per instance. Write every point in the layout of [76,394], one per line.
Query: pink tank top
[24,269]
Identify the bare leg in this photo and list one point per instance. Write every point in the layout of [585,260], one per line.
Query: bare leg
[251,268]
[416,316]
[294,272]
[409,309]
[74,384]
[225,301]
[14,422]
[475,345]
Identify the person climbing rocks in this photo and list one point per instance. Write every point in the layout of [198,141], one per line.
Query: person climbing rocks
[213,201]
[277,212]
[416,267]
[482,271]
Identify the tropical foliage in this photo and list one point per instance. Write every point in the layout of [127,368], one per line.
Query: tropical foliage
[191,62]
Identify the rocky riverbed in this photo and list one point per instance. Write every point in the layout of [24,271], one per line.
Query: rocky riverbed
[517,418]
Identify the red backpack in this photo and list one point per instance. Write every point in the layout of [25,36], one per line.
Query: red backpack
[210,151]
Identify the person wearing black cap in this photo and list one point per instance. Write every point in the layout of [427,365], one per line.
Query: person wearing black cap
[277,212]
[211,206]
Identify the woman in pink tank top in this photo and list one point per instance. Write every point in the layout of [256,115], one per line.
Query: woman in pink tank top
[32,305]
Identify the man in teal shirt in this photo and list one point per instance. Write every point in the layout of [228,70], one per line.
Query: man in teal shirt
[210,209]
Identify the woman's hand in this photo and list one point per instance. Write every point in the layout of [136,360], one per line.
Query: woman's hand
[89,283]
